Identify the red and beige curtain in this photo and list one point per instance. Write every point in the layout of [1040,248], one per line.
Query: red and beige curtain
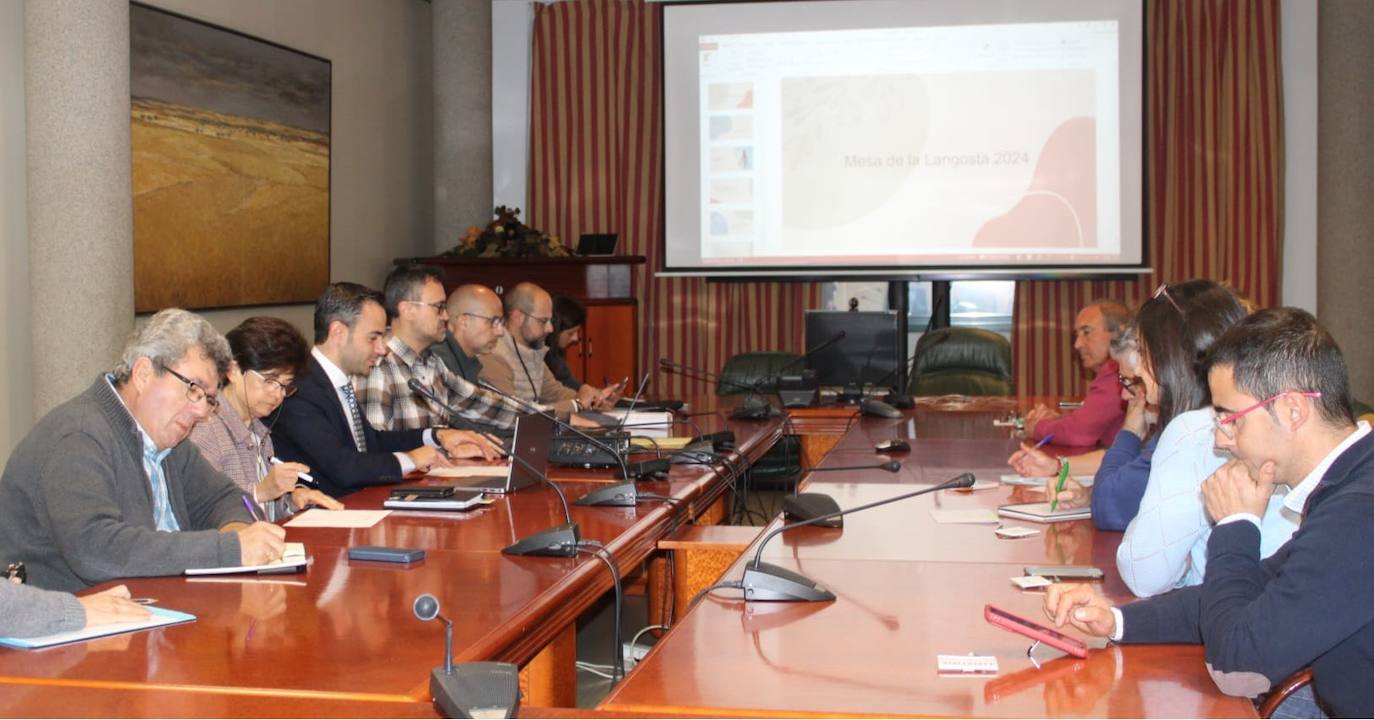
[1214,194]
[1214,177]
[596,165]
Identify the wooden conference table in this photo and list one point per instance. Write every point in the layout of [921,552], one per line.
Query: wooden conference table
[909,588]
[341,639]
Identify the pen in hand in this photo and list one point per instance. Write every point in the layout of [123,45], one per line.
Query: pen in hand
[1044,441]
[303,477]
[1059,485]
[252,510]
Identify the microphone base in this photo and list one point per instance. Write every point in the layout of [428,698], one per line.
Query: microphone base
[622,495]
[808,506]
[769,583]
[877,408]
[557,541]
[476,689]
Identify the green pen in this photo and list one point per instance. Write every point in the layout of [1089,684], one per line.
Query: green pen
[1059,486]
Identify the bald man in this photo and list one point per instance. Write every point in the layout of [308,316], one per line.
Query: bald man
[476,323]
[516,365]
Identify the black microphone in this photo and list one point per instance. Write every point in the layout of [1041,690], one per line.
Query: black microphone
[476,689]
[765,582]
[616,495]
[874,408]
[419,388]
[533,408]
[810,506]
[557,541]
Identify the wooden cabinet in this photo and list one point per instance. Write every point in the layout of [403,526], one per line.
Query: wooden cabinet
[608,349]
[610,339]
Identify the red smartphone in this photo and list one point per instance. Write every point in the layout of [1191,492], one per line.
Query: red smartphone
[1045,634]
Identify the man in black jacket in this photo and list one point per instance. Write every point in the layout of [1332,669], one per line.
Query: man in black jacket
[323,425]
[1282,397]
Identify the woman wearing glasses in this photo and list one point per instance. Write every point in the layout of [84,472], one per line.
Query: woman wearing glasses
[1121,472]
[268,355]
[1165,545]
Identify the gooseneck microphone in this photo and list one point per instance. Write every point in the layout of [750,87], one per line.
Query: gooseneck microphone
[811,506]
[751,408]
[469,690]
[765,582]
[531,407]
[454,416]
[557,541]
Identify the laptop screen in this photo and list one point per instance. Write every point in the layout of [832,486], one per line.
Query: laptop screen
[533,434]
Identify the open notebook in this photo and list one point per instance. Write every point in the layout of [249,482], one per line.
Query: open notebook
[293,560]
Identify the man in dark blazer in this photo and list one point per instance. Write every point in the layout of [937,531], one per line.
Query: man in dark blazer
[323,425]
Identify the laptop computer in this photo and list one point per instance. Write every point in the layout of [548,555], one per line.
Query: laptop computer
[533,435]
[597,244]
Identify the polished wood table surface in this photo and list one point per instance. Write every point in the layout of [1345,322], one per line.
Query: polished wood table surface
[873,652]
[909,588]
[343,631]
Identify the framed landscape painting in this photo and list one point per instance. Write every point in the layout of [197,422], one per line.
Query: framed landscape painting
[230,139]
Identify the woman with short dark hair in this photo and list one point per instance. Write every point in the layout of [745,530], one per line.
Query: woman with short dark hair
[269,355]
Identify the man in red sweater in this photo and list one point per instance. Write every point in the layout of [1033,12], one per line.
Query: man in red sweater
[1096,423]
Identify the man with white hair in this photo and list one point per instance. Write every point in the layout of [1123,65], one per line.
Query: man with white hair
[105,487]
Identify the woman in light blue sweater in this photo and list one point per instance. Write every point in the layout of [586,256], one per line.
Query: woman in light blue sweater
[1165,545]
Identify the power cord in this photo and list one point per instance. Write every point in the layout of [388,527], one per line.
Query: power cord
[596,549]
[722,585]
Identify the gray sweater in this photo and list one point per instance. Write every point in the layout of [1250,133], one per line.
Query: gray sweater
[76,506]
[26,611]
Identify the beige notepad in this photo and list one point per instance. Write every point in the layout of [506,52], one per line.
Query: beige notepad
[319,518]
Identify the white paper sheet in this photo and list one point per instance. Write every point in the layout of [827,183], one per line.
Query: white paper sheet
[320,518]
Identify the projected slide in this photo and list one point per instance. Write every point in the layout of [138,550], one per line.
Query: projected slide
[937,144]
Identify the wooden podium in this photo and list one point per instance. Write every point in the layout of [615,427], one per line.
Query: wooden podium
[610,339]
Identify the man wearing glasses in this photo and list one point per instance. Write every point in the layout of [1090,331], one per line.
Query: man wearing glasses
[105,487]
[1097,421]
[516,365]
[476,322]
[415,302]
[1281,394]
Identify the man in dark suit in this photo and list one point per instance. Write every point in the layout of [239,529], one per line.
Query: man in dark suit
[323,425]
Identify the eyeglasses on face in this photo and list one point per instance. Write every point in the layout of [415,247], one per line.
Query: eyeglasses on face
[273,383]
[495,321]
[1129,384]
[194,391]
[439,307]
[1227,425]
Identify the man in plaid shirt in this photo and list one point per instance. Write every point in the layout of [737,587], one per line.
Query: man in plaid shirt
[415,301]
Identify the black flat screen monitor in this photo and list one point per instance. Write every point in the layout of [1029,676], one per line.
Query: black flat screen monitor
[867,354]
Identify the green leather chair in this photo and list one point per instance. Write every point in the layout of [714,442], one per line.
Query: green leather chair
[780,466]
[962,361]
[748,370]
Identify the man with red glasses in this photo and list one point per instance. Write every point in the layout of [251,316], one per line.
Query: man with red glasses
[1281,393]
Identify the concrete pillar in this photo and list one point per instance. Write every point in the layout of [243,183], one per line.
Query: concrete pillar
[1345,175]
[462,117]
[80,203]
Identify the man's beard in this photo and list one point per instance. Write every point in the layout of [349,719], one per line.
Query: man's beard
[537,343]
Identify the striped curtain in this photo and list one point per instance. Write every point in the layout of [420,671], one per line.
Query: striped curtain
[596,166]
[1214,193]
